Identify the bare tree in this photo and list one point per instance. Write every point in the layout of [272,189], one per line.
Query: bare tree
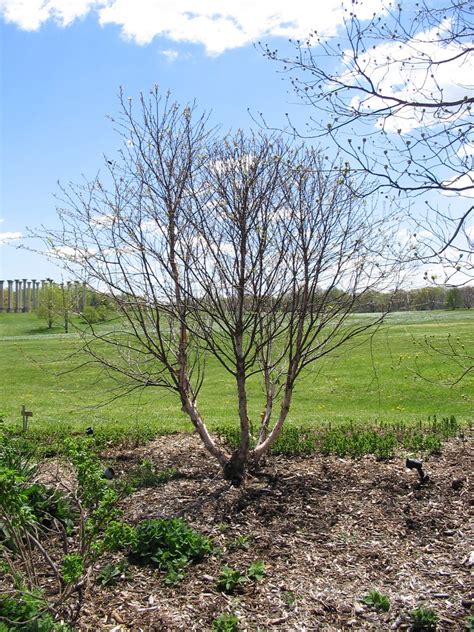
[232,248]
[395,94]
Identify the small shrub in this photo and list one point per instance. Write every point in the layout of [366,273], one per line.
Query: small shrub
[92,315]
[385,448]
[112,573]
[226,623]
[48,504]
[25,508]
[169,544]
[256,571]
[28,614]
[72,567]
[294,441]
[229,580]
[432,444]
[119,536]
[423,620]
[377,601]
[16,454]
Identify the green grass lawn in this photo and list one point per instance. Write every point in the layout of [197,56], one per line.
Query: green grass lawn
[374,381]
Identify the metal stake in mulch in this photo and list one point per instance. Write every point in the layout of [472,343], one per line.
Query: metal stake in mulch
[25,414]
[413,464]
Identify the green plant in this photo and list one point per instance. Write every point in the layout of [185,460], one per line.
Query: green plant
[229,580]
[145,474]
[72,567]
[294,441]
[169,544]
[35,518]
[423,620]
[119,536]
[112,573]
[469,624]
[256,571]
[17,454]
[288,597]
[49,504]
[92,315]
[432,444]
[240,542]
[28,613]
[225,623]
[377,601]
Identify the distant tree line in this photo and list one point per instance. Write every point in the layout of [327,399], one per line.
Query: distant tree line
[58,302]
[420,299]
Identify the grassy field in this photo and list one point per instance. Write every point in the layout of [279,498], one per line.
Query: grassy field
[374,382]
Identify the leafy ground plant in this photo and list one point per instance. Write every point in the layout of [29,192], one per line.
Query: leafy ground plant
[377,601]
[28,613]
[225,623]
[169,544]
[256,571]
[240,542]
[112,573]
[423,620]
[230,580]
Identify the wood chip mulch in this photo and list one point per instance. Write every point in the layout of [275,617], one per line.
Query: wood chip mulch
[329,530]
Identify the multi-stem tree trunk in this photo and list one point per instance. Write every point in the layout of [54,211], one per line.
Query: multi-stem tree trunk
[246,249]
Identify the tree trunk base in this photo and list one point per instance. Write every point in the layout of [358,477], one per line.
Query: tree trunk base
[235,469]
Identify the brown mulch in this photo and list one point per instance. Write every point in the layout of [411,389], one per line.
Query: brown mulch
[329,530]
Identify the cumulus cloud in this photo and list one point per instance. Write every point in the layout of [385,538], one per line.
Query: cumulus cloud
[415,70]
[30,14]
[216,25]
[9,236]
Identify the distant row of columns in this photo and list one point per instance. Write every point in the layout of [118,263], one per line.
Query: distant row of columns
[24,295]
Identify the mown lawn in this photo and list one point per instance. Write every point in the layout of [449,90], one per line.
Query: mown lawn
[385,378]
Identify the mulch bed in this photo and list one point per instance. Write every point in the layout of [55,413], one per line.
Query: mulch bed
[329,530]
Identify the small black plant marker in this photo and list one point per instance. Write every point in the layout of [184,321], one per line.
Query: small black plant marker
[109,473]
[413,464]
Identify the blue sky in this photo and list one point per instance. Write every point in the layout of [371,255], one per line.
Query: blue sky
[58,85]
[62,62]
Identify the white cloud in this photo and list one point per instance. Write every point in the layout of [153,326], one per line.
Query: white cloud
[7,237]
[411,239]
[215,24]
[105,220]
[409,71]
[467,149]
[30,14]
[170,54]
[462,184]
[70,253]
